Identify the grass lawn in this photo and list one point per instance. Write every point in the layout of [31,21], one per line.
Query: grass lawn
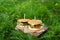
[46,10]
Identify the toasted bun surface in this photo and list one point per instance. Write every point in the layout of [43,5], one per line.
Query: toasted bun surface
[22,20]
[35,22]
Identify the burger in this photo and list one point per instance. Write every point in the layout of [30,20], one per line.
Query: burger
[21,23]
[35,25]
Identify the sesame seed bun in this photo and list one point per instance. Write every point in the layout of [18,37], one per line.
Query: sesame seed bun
[34,22]
[22,20]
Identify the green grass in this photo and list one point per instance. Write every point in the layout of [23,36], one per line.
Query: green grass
[46,10]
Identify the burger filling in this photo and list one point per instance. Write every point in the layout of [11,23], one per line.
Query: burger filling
[36,26]
[22,23]
[25,23]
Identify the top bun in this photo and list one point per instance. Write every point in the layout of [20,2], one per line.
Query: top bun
[35,22]
[22,20]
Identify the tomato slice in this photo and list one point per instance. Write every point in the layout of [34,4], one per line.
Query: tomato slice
[35,26]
